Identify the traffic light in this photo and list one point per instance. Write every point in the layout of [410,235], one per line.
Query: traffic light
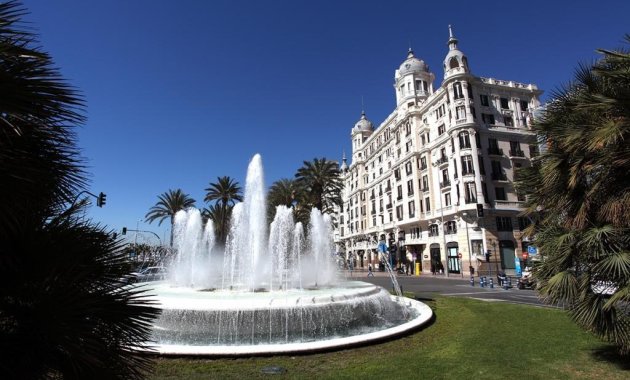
[124,231]
[479,210]
[101,199]
[525,256]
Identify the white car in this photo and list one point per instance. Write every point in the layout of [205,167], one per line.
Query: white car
[147,274]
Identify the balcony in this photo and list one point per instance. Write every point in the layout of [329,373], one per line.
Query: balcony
[451,231]
[499,177]
[433,233]
[442,160]
[517,153]
[425,189]
[388,189]
[495,152]
[464,146]
[468,172]
[508,205]
[399,197]
[423,167]
[445,184]
[389,206]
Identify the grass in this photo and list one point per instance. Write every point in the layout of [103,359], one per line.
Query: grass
[468,339]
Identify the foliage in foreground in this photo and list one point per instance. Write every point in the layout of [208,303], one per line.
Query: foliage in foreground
[62,311]
[579,198]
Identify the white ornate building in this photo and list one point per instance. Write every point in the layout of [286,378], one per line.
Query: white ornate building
[419,177]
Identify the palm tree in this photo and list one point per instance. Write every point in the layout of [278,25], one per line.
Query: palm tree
[225,192]
[168,205]
[287,192]
[320,181]
[579,198]
[63,312]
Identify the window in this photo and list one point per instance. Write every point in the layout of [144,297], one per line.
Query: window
[441,130]
[445,175]
[523,223]
[464,140]
[524,105]
[408,167]
[467,165]
[423,163]
[434,230]
[412,209]
[418,85]
[397,174]
[410,187]
[399,212]
[399,191]
[460,112]
[484,100]
[425,183]
[504,103]
[487,118]
[515,149]
[470,192]
[427,204]
[416,232]
[482,165]
[450,227]
[509,122]
[499,193]
[457,91]
[504,223]
[447,199]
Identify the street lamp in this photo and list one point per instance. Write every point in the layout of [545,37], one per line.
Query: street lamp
[470,267]
[494,253]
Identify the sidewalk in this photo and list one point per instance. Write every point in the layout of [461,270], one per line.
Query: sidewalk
[363,272]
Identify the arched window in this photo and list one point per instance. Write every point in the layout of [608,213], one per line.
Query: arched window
[453,63]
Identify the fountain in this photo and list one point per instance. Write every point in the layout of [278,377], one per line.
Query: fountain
[271,290]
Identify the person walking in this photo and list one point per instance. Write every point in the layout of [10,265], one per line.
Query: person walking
[370,273]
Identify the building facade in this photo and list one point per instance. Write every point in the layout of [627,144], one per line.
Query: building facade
[436,178]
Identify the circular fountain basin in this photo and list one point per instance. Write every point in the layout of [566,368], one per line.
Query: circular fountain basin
[232,323]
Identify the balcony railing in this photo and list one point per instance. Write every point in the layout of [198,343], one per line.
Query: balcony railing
[442,160]
[389,206]
[468,172]
[517,153]
[499,177]
[425,188]
[445,184]
[495,151]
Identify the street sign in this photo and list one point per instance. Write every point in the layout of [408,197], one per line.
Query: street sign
[531,250]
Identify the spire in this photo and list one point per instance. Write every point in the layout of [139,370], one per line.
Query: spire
[344,162]
[452,41]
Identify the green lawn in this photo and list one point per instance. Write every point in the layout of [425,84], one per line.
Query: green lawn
[469,339]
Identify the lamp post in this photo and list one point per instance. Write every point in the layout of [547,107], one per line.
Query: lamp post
[494,253]
[464,215]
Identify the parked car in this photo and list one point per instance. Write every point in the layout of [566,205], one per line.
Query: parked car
[147,274]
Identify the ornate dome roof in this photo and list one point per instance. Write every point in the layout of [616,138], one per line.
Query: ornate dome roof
[363,125]
[412,64]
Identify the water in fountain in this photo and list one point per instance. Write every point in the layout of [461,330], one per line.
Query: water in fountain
[273,285]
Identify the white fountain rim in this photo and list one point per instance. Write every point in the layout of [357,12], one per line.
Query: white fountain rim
[424,315]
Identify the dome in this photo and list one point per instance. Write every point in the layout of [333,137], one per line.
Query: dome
[412,65]
[363,125]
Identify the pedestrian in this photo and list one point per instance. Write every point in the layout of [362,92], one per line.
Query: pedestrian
[370,270]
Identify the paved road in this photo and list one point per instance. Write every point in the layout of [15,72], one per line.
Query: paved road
[427,286]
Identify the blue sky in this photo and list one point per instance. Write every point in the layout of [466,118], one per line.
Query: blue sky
[180,92]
